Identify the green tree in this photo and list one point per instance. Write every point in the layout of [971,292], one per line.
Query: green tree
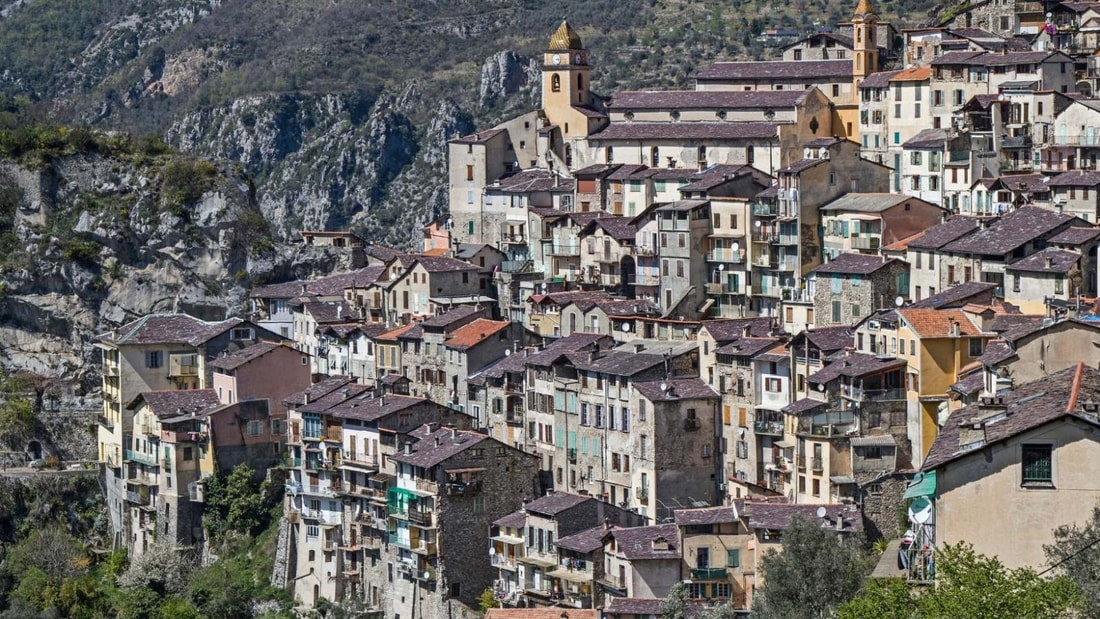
[487,600]
[234,503]
[675,606]
[220,592]
[817,571]
[1076,553]
[968,585]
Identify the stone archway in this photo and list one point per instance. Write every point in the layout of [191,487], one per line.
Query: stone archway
[34,450]
[627,272]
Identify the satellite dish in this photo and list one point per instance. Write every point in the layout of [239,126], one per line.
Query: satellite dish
[756,223]
[735,247]
[821,511]
[821,387]
[664,386]
[899,301]
[492,551]
[721,267]
[427,575]
[508,352]
[626,327]
[920,510]
[740,433]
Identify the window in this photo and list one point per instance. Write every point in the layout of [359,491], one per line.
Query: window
[154,359]
[254,428]
[916,109]
[241,334]
[975,347]
[469,172]
[313,531]
[1059,285]
[187,454]
[555,86]
[733,558]
[1037,464]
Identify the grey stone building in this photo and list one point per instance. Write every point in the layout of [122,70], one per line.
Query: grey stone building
[852,286]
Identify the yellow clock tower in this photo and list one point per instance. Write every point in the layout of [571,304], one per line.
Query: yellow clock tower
[865,45]
[565,82]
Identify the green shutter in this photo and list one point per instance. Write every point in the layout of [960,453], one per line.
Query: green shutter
[560,441]
[733,558]
[572,440]
[584,445]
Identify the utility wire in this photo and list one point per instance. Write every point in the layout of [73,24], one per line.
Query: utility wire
[1079,551]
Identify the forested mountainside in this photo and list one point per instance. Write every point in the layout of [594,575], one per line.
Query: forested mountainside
[340,113]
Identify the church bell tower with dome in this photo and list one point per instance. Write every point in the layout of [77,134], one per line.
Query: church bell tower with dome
[566,79]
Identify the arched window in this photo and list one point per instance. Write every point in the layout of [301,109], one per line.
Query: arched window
[580,81]
[654,157]
[555,83]
[610,156]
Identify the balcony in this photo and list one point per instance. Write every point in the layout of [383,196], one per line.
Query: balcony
[323,517]
[768,427]
[709,573]
[1017,166]
[106,423]
[767,261]
[503,561]
[764,235]
[641,493]
[722,289]
[424,548]
[428,486]
[420,517]
[137,498]
[111,370]
[765,209]
[334,434]
[642,250]
[647,279]
[371,543]
[869,243]
[183,365]
[787,239]
[358,460]
[572,453]
[563,249]
[143,458]
[513,238]
[726,255]
[293,488]
[860,394]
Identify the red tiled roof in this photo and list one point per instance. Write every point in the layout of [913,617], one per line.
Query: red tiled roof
[931,323]
[470,335]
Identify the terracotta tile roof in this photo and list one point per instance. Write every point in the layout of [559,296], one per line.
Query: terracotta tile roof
[1075,236]
[775,70]
[854,264]
[427,453]
[235,360]
[1026,407]
[677,389]
[470,335]
[555,503]
[175,402]
[936,323]
[937,236]
[705,515]
[957,296]
[1011,231]
[391,336]
[903,244]
[914,74]
[705,99]
[970,385]
[637,543]
[1049,260]
[687,131]
[777,516]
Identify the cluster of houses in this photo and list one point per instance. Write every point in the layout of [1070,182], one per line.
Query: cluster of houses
[657,326]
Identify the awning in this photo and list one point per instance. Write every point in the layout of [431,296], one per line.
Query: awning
[382,477]
[924,484]
[842,479]
[570,576]
[783,444]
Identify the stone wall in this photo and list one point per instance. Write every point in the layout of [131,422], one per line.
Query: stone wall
[880,510]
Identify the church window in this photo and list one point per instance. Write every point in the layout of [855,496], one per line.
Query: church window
[555,83]
[654,156]
[610,155]
[580,82]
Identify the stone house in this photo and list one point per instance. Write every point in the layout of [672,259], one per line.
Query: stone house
[851,286]
[431,283]
[544,313]
[864,222]
[450,485]
[926,276]
[605,253]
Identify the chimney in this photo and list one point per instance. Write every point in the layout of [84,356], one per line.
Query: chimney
[339,311]
[454,433]
[1048,262]
[408,448]
[437,440]
[305,396]
[746,330]
[303,288]
[839,521]
[638,348]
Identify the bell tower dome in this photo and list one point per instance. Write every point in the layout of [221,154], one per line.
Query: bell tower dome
[565,72]
[864,42]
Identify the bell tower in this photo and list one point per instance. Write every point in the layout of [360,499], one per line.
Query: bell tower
[864,43]
[565,78]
